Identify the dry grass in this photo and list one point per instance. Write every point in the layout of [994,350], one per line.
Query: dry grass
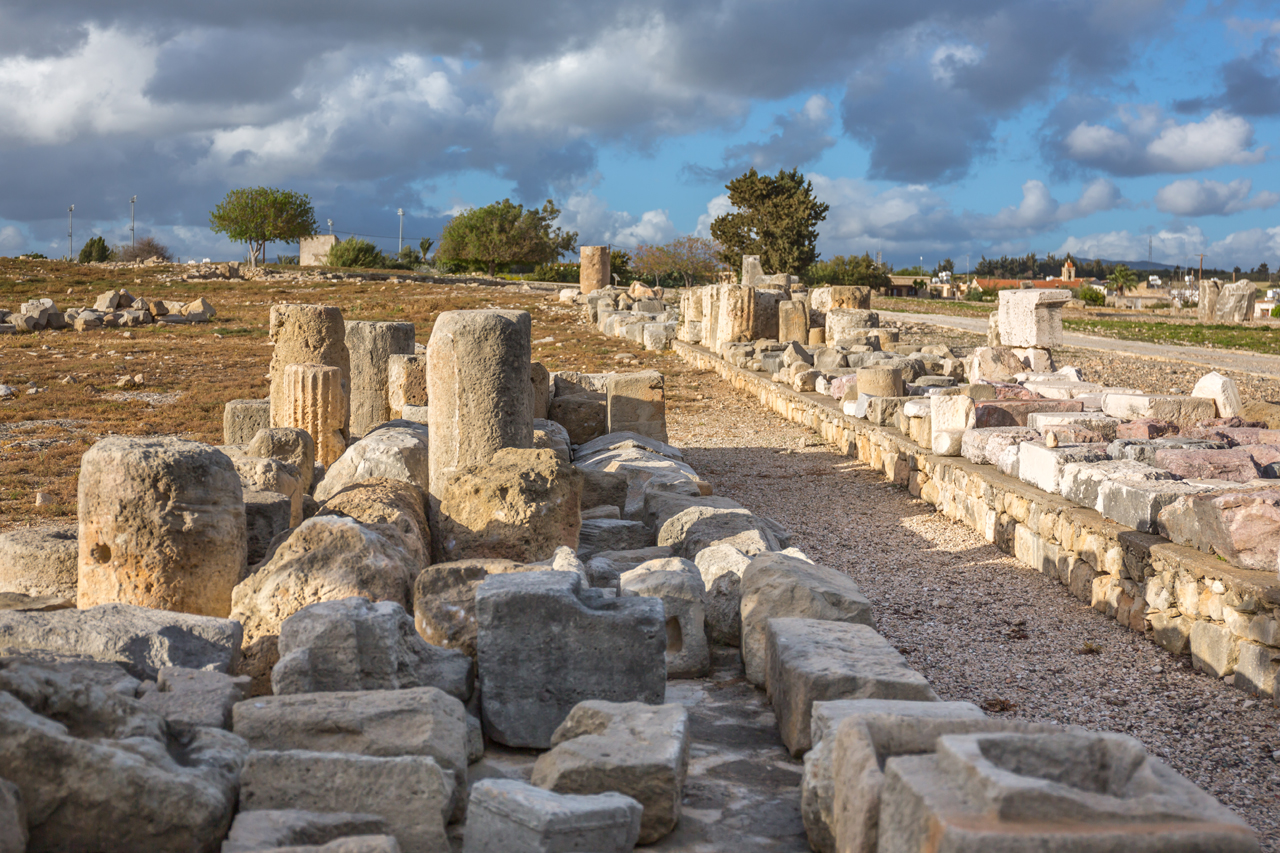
[190,372]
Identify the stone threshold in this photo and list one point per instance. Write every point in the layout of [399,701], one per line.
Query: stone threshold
[1184,600]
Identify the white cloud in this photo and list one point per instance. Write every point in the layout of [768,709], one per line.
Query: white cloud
[597,225]
[947,58]
[1212,198]
[717,207]
[1181,246]
[1149,143]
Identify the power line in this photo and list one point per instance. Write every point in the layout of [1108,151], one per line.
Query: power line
[374,236]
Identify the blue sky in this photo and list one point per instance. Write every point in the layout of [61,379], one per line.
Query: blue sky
[934,129]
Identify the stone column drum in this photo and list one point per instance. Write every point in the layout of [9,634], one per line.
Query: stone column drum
[478,391]
[311,397]
[308,334]
[880,381]
[594,273]
[162,525]
[370,346]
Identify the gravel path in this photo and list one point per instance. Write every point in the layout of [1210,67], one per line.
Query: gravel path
[980,626]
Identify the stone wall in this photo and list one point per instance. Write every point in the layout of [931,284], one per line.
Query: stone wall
[1183,600]
[314,251]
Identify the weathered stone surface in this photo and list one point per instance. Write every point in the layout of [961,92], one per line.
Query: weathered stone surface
[509,815]
[1223,391]
[19,602]
[984,446]
[478,384]
[1041,466]
[294,446]
[371,345]
[307,334]
[161,525]
[639,750]
[552,436]
[1183,411]
[721,567]
[1080,481]
[1242,527]
[270,475]
[547,642]
[793,321]
[679,585]
[698,527]
[327,558]
[993,364]
[1261,411]
[584,416]
[444,601]
[950,416]
[607,534]
[406,382]
[269,829]
[779,585]
[313,398]
[13,819]
[814,660]
[411,792]
[98,771]
[243,419]
[1032,318]
[1074,790]
[594,270]
[1235,303]
[40,561]
[519,505]
[395,453]
[1014,413]
[1145,429]
[637,403]
[389,503]
[1137,504]
[605,568]
[1235,464]
[191,698]
[353,644]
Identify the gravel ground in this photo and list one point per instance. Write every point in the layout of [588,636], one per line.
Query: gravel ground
[977,624]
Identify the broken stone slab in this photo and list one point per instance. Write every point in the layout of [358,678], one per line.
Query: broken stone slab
[1041,466]
[1223,391]
[508,815]
[270,475]
[519,505]
[1137,504]
[165,794]
[244,419]
[1183,411]
[984,446]
[779,585]
[552,436]
[397,453]
[608,534]
[606,568]
[813,660]
[407,382]
[411,792]
[40,561]
[266,516]
[1080,481]
[293,446]
[662,506]
[639,750]
[1101,424]
[387,503]
[161,524]
[1241,526]
[624,440]
[547,642]
[584,416]
[371,345]
[190,698]
[698,527]
[1072,790]
[681,591]
[354,644]
[444,601]
[1234,464]
[1145,451]
[721,567]
[949,418]
[269,829]
[636,402]
[140,639]
[1014,413]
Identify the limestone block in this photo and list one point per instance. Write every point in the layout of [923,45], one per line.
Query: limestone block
[509,815]
[682,593]
[1102,424]
[594,272]
[310,397]
[269,829]
[1214,649]
[658,336]
[637,403]
[1235,464]
[793,321]
[406,382]
[1138,504]
[635,749]
[392,452]
[607,534]
[851,297]
[698,527]
[243,419]
[371,345]
[1242,527]
[411,792]
[40,561]
[1011,413]
[161,524]
[812,660]
[140,639]
[950,416]
[270,475]
[777,586]
[1183,411]
[584,416]
[993,364]
[316,335]
[192,698]
[1235,303]
[721,568]
[387,503]
[353,644]
[1041,466]
[520,505]
[326,558]
[1067,791]
[291,446]
[736,305]
[1080,481]
[547,642]
[104,772]
[605,570]
[984,445]
[478,385]
[1032,318]
[880,381]
[1223,392]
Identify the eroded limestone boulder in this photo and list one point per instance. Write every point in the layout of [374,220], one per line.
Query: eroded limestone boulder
[40,561]
[506,814]
[394,453]
[389,502]
[681,590]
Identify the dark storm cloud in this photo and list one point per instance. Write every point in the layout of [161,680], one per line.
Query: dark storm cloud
[1250,86]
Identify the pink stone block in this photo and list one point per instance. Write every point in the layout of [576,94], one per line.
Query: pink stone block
[1146,429]
[1235,465]
[1003,413]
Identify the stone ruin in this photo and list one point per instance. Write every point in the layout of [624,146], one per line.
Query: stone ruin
[113,309]
[315,636]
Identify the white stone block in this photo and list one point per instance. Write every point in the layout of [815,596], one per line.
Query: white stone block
[1032,318]
[1041,466]
[1101,424]
[949,417]
[1222,391]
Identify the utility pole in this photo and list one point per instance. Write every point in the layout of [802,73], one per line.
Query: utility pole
[71,252]
[330,227]
[133,234]
[400,213]
[1202,266]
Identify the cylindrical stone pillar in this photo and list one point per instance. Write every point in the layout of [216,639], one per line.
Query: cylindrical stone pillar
[594,272]
[371,344]
[406,382]
[880,381]
[162,525]
[479,396]
[308,334]
[311,398]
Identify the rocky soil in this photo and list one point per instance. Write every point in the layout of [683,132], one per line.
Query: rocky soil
[980,626]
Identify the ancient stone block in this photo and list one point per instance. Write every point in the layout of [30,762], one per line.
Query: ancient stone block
[161,525]
[310,334]
[311,397]
[243,419]
[1032,318]
[1080,481]
[1041,466]
[371,345]
[813,660]
[388,503]
[699,527]
[547,642]
[411,792]
[508,815]
[950,416]
[793,321]
[880,381]
[605,534]
[993,364]
[270,475]
[392,452]
[594,272]
[191,698]
[681,592]
[778,585]
[721,567]
[1234,303]
[40,561]
[1137,504]
[1235,464]
[478,384]
[637,403]
[1183,411]
[292,446]
[1014,413]
[1242,527]
[736,305]
[1214,649]
[584,416]
[639,750]
[268,829]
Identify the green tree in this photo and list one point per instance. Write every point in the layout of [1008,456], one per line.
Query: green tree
[1122,277]
[260,215]
[856,271]
[424,246]
[695,259]
[505,233]
[95,251]
[776,218]
[620,265]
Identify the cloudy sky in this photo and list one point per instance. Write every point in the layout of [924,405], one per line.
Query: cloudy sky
[933,128]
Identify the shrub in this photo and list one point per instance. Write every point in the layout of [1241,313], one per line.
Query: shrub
[562,273]
[287,260]
[1092,296]
[144,249]
[356,253]
[620,265]
[95,251]
[1275,311]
